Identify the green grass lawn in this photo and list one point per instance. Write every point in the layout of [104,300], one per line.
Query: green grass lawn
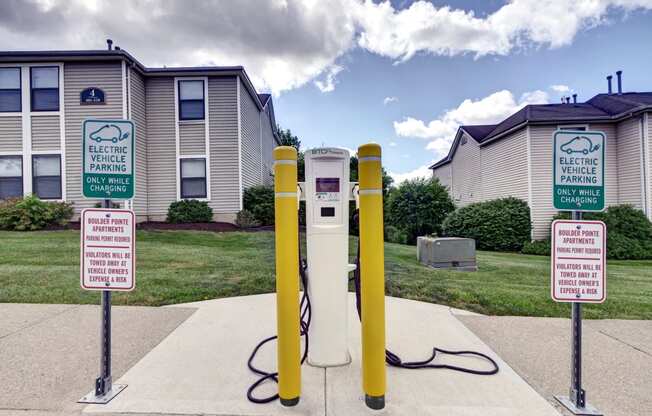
[185,266]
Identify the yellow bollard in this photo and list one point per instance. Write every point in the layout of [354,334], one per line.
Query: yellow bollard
[372,275]
[287,275]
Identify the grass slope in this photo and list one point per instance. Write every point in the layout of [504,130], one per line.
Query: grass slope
[185,266]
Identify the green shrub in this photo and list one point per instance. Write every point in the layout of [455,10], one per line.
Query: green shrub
[394,235]
[500,224]
[537,247]
[259,200]
[31,213]
[189,210]
[629,232]
[418,207]
[245,219]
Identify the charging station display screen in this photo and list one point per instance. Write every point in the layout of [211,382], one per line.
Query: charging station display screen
[328,184]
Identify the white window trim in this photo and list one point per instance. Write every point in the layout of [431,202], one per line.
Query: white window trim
[179,159]
[26,115]
[177,138]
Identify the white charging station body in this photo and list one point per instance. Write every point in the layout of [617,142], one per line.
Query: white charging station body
[327,193]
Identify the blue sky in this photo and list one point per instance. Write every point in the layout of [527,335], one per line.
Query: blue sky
[331,64]
[426,86]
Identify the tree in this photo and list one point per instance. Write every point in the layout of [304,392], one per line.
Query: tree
[288,139]
[387,180]
[418,207]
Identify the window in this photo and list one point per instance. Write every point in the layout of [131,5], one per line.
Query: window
[193,178]
[191,100]
[10,90]
[45,88]
[47,176]
[576,128]
[11,176]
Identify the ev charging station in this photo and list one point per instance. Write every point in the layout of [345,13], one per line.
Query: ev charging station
[321,314]
[327,192]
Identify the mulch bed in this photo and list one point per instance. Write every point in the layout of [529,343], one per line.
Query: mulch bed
[198,226]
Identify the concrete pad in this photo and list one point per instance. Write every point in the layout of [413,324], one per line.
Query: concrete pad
[637,334]
[201,368]
[616,375]
[413,328]
[17,316]
[49,356]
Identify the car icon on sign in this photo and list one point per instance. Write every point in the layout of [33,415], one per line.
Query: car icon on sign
[108,133]
[579,144]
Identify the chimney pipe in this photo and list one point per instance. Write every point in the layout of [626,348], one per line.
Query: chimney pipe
[109,44]
[567,100]
[117,48]
[609,83]
[574,98]
[620,81]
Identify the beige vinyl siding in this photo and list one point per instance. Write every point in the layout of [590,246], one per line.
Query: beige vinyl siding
[251,149]
[611,165]
[11,134]
[161,146]
[443,173]
[505,167]
[46,133]
[138,116]
[541,209]
[269,143]
[78,76]
[223,136]
[465,168]
[192,138]
[629,162]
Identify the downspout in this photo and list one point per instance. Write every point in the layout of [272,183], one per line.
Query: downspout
[645,168]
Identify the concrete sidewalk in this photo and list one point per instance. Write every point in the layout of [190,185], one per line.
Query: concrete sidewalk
[201,368]
[49,354]
[617,369]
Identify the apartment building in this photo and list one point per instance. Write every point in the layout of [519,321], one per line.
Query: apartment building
[201,132]
[514,157]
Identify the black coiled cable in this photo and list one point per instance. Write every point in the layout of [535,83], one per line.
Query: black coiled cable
[395,361]
[304,323]
[391,358]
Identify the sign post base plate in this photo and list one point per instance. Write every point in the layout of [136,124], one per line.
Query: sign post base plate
[587,410]
[91,398]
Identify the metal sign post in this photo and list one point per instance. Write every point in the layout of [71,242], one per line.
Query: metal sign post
[578,266]
[107,237]
[576,400]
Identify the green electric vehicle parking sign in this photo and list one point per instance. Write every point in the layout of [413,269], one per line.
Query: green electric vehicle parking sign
[108,159]
[578,170]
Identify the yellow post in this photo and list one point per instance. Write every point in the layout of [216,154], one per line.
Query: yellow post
[287,274]
[372,275]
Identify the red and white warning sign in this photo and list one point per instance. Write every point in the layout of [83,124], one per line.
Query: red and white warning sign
[108,251]
[578,256]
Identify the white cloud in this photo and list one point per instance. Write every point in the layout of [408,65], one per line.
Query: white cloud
[285,44]
[560,88]
[328,84]
[389,100]
[488,110]
[420,172]
[392,144]
[424,27]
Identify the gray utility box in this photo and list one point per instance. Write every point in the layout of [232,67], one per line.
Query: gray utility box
[447,253]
